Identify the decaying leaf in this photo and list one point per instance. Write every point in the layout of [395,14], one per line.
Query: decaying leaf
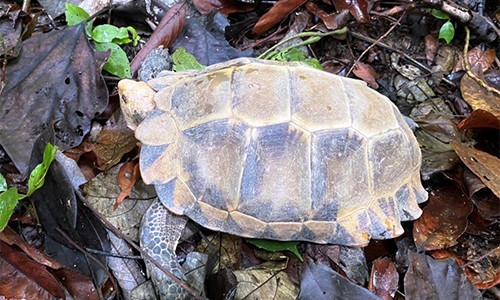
[487,103]
[384,278]
[102,191]
[367,73]
[484,165]
[55,84]
[320,282]
[114,140]
[443,279]
[23,278]
[443,220]
[436,132]
[264,284]
[227,249]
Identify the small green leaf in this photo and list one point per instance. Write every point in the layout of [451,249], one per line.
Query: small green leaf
[183,61]
[75,15]
[3,183]
[8,202]
[135,36]
[117,63]
[436,13]
[111,34]
[447,32]
[295,54]
[37,176]
[275,246]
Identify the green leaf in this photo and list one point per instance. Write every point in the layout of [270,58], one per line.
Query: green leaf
[8,202]
[135,36]
[295,54]
[183,61]
[37,176]
[111,34]
[75,15]
[3,183]
[447,32]
[275,246]
[436,13]
[117,63]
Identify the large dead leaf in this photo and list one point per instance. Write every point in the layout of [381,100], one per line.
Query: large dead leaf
[55,84]
[484,165]
[443,220]
[436,279]
[321,282]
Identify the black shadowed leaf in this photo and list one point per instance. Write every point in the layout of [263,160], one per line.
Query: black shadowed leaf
[321,282]
[56,81]
[442,278]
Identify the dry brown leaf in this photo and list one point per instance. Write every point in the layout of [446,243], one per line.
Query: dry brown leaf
[127,177]
[261,284]
[480,119]
[478,59]
[331,20]
[431,47]
[443,220]
[23,278]
[479,98]
[357,8]
[165,34]
[114,140]
[275,15]
[207,6]
[367,73]
[484,165]
[384,278]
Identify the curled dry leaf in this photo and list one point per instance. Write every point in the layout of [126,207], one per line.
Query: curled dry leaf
[367,73]
[165,34]
[384,278]
[275,15]
[484,165]
[443,220]
[127,177]
[483,198]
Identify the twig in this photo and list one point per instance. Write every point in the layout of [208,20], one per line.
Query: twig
[313,37]
[411,59]
[469,69]
[375,43]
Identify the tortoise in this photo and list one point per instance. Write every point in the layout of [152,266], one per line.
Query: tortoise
[271,150]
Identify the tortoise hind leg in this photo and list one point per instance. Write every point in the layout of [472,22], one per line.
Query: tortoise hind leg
[160,233]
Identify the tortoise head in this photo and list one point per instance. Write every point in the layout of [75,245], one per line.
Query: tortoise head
[136,101]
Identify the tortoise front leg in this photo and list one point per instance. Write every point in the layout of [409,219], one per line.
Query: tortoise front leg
[160,233]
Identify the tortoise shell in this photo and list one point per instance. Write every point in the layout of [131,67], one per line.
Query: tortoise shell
[278,151]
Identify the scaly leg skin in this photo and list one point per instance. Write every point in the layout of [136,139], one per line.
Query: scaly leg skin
[160,233]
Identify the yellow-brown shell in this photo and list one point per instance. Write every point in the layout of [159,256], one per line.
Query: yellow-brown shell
[277,151]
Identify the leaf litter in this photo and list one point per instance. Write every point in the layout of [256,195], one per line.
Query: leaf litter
[457,236]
